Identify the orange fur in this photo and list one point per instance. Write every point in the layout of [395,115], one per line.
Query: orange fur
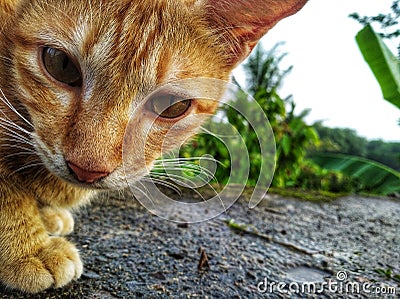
[125,50]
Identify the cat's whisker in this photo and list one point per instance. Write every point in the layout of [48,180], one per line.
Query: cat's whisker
[187,159]
[16,141]
[201,195]
[168,185]
[107,195]
[13,128]
[9,122]
[197,169]
[178,164]
[163,183]
[14,137]
[121,194]
[27,153]
[9,131]
[176,178]
[26,167]
[179,161]
[179,178]
[183,179]
[8,145]
[193,188]
[11,125]
[175,164]
[186,163]
[143,190]
[20,141]
[41,170]
[3,98]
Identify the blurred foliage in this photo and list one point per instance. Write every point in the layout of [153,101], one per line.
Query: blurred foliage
[346,141]
[387,153]
[338,140]
[314,177]
[371,176]
[292,134]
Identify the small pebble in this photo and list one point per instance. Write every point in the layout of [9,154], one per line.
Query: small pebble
[90,274]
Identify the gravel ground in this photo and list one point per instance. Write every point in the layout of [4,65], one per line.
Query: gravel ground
[346,243]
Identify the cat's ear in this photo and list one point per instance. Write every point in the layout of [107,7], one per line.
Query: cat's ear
[241,23]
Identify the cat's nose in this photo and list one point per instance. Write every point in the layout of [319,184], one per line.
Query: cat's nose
[87,176]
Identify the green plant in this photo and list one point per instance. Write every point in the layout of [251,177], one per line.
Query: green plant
[296,137]
[388,22]
[346,141]
[339,140]
[383,63]
[372,177]
[291,133]
[388,274]
[314,177]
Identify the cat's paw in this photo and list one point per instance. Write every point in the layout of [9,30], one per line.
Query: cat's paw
[57,221]
[55,265]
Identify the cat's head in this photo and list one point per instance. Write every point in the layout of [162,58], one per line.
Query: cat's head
[90,75]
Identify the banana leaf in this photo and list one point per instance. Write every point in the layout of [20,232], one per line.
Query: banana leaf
[383,63]
[374,177]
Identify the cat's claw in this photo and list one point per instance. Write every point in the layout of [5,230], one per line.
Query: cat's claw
[55,265]
[57,221]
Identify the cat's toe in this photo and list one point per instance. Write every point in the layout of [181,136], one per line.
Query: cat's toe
[55,265]
[58,222]
[62,260]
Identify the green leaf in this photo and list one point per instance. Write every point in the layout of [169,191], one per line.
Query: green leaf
[396,277]
[383,63]
[374,177]
[286,144]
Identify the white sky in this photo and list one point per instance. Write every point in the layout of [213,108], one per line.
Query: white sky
[330,75]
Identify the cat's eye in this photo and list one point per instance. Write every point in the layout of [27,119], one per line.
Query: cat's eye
[169,106]
[61,67]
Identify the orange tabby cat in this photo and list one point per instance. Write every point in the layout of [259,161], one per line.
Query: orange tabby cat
[72,75]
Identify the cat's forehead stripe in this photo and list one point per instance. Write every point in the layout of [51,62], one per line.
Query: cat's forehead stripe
[127,47]
[80,32]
